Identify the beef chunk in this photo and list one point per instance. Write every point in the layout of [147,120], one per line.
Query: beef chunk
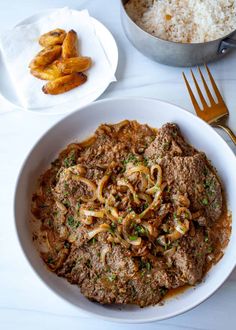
[189,258]
[169,141]
[191,175]
[187,171]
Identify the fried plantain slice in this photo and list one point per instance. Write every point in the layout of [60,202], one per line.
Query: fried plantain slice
[52,38]
[64,84]
[70,45]
[50,72]
[46,56]
[73,64]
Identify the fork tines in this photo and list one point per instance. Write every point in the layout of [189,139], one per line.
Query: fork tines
[213,104]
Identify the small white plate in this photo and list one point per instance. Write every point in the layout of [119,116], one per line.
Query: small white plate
[78,126]
[7,90]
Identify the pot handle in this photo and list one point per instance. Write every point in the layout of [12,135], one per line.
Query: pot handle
[227,44]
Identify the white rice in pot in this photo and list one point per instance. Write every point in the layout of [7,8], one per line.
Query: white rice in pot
[186,21]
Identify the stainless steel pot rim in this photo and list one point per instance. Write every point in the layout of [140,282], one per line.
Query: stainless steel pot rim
[175,42]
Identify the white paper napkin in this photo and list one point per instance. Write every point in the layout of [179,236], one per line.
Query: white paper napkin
[20,45]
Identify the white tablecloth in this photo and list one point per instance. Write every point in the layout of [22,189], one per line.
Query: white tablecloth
[26,303]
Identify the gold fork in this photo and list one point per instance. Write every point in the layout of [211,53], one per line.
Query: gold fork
[214,114]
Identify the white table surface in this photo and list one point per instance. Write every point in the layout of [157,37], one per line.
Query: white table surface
[25,302]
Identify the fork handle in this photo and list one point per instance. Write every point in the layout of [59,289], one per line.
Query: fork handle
[228,131]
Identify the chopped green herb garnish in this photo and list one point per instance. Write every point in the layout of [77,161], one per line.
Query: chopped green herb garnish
[123,169]
[145,161]
[210,249]
[199,255]
[77,224]
[210,192]
[67,245]
[93,240]
[205,201]
[71,221]
[88,263]
[153,138]
[70,160]
[111,277]
[48,222]
[163,291]
[111,230]
[120,220]
[207,184]
[66,203]
[206,239]
[133,237]
[145,206]
[130,159]
[117,197]
[143,273]
[157,188]
[50,260]
[140,229]
[148,266]
[166,146]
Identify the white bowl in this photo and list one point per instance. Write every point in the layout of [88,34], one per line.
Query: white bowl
[80,125]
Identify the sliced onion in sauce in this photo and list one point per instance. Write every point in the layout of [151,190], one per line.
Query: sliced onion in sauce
[89,183]
[78,169]
[131,188]
[96,214]
[148,227]
[135,242]
[112,213]
[155,201]
[159,174]
[143,183]
[139,168]
[153,190]
[61,207]
[101,229]
[169,253]
[145,197]
[100,187]
[121,124]
[87,220]
[182,228]
[184,211]
[162,240]
[103,253]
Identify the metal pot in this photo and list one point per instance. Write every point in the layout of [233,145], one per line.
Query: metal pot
[174,53]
